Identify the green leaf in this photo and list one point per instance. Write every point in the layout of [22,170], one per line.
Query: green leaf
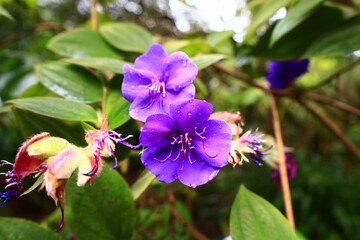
[37,90]
[69,81]
[82,43]
[30,124]
[175,45]
[252,217]
[110,64]
[5,13]
[206,60]
[103,210]
[5,109]
[267,10]
[217,38]
[340,40]
[127,36]
[142,183]
[117,109]
[57,108]
[295,43]
[20,229]
[297,14]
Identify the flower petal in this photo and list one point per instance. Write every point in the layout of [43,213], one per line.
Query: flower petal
[158,160]
[157,128]
[25,164]
[196,173]
[133,81]
[214,144]
[154,60]
[188,113]
[180,72]
[144,106]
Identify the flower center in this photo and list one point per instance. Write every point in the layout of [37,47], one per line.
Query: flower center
[155,87]
[183,144]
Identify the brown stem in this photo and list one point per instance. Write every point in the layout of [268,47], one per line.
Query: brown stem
[94,15]
[333,128]
[193,231]
[333,102]
[282,161]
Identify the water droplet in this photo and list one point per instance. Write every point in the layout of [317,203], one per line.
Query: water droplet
[199,113]
[132,87]
[192,185]
[159,118]
[153,130]
[186,109]
[207,109]
[220,126]
[145,164]
[175,175]
[184,63]
[191,101]
[137,110]
[189,114]
[212,175]
[178,111]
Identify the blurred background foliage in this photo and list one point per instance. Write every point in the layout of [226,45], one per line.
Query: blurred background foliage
[326,190]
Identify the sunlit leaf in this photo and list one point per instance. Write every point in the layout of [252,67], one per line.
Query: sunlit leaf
[81,43]
[142,183]
[57,108]
[110,64]
[5,13]
[265,12]
[252,217]
[206,60]
[340,40]
[69,81]
[20,229]
[175,45]
[103,210]
[300,11]
[127,36]
[217,38]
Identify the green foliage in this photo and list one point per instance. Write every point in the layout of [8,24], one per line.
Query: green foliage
[127,36]
[69,81]
[57,108]
[82,43]
[103,210]
[20,229]
[252,217]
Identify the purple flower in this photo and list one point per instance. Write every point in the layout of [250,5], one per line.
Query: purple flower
[291,167]
[185,144]
[156,81]
[282,74]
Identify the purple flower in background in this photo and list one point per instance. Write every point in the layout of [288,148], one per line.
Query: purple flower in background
[157,80]
[291,167]
[282,74]
[185,144]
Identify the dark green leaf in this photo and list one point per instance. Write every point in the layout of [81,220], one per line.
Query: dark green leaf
[252,217]
[340,40]
[31,124]
[297,14]
[110,64]
[295,43]
[69,81]
[82,43]
[268,9]
[103,210]
[206,60]
[19,229]
[57,108]
[127,36]
[117,109]
[142,183]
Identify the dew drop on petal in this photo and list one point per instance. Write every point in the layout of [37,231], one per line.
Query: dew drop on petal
[178,111]
[132,87]
[184,63]
[207,109]
[220,126]
[145,164]
[175,176]
[189,114]
[192,185]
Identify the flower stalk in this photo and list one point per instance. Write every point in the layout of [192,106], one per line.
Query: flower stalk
[282,161]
